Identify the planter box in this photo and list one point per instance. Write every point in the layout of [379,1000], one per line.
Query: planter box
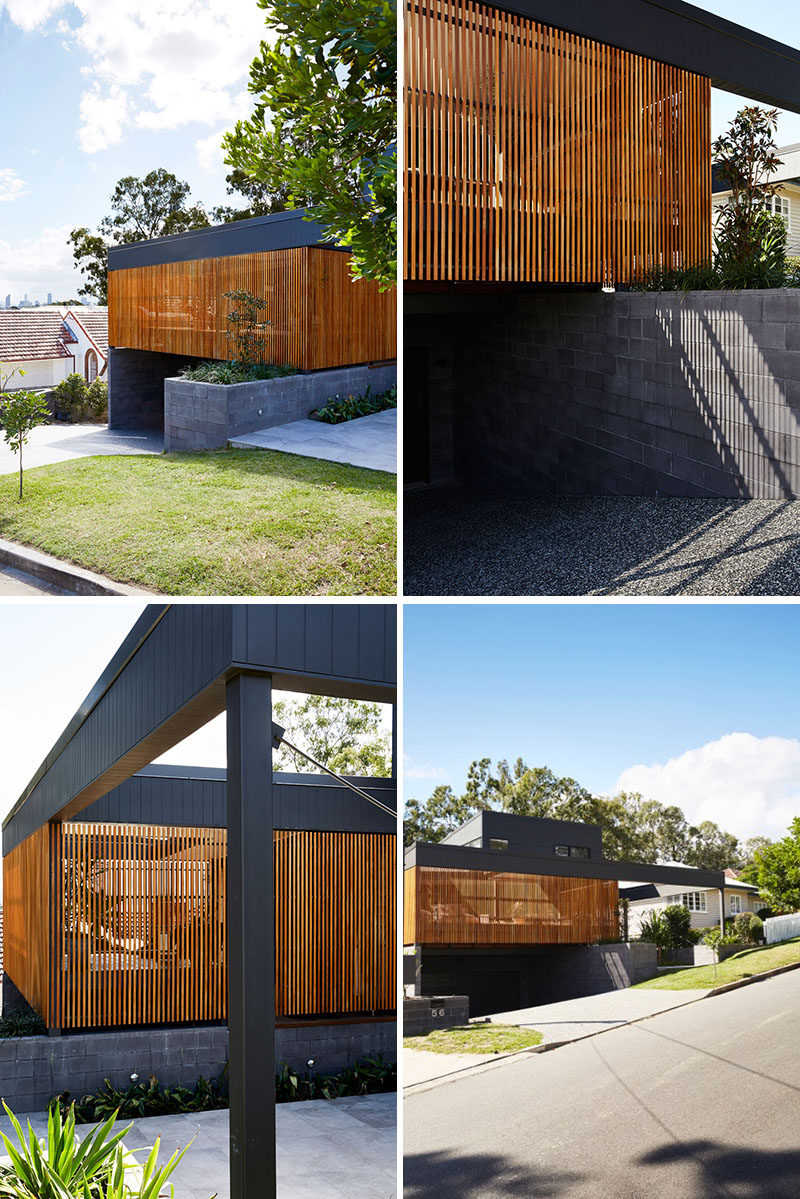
[205,416]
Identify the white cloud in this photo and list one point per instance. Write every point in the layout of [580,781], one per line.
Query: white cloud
[11,186]
[748,785]
[160,65]
[209,151]
[38,264]
[422,770]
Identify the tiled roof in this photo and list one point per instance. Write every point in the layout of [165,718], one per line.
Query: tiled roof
[32,334]
[95,322]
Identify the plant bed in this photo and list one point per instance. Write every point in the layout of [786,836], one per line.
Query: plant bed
[228,373]
[230,522]
[343,408]
[476,1038]
[745,964]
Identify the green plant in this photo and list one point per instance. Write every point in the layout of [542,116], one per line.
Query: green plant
[20,413]
[765,913]
[678,919]
[227,372]
[70,395]
[6,379]
[748,928]
[341,408]
[246,331]
[745,157]
[96,405]
[147,1098]
[22,1024]
[61,1166]
[654,928]
[370,1076]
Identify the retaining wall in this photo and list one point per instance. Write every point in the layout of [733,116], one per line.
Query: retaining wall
[205,416]
[635,394]
[423,1013]
[33,1069]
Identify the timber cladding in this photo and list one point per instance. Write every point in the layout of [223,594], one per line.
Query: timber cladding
[534,155]
[120,924]
[485,907]
[320,316]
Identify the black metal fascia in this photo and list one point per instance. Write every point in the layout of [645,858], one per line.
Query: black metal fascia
[734,58]
[459,857]
[279,231]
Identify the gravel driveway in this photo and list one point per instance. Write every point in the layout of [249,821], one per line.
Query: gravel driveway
[457,543]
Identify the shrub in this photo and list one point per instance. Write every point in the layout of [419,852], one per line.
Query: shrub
[22,1024]
[342,408]
[96,403]
[679,925]
[654,928]
[145,1099]
[370,1076]
[765,913]
[715,939]
[230,372]
[748,927]
[70,395]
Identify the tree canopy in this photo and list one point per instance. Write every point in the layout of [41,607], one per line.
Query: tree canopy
[778,869]
[345,735]
[635,829]
[324,126]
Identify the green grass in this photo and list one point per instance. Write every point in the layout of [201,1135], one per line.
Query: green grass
[741,965]
[476,1038]
[224,522]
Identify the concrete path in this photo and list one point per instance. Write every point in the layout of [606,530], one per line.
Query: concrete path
[369,441]
[327,1149]
[59,443]
[701,1102]
[17,582]
[570,1020]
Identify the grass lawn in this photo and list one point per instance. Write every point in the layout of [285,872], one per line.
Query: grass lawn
[223,522]
[741,965]
[476,1038]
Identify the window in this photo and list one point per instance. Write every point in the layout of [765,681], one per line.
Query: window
[562,851]
[780,206]
[695,901]
[496,843]
[736,904]
[90,371]
[572,851]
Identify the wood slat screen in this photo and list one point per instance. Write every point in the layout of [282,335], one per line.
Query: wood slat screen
[335,922]
[483,907]
[27,915]
[320,317]
[535,155]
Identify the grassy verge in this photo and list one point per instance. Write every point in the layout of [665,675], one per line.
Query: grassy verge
[476,1038]
[226,522]
[742,965]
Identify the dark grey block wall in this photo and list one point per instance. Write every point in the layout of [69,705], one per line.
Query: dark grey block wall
[33,1069]
[136,387]
[502,981]
[421,1014]
[634,394]
[205,416]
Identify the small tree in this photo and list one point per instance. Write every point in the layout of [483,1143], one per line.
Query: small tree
[745,157]
[5,379]
[21,412]
[246,331]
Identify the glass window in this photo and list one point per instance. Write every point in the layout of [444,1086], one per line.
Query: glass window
[780,206]
[579,851]
[562,851]
[736,904]
[695,901]
[496,843]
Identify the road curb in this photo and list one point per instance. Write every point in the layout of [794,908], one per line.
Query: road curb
[65,575]
[755,978]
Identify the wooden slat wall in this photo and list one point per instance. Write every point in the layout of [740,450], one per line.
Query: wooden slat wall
[320,317]
[535,155]
[335,917]
[26,919]
[482,907]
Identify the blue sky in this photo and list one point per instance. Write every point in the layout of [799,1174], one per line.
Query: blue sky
[96,90]
[695,704]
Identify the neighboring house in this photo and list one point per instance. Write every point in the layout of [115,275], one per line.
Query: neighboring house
[786,202]
[50,343]
[512,910]
[702,902]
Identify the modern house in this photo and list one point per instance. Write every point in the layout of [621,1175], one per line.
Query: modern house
[168,309]
[512,910]
[558,151]
[125,921]
[785,202]
[702,902]
[50,343]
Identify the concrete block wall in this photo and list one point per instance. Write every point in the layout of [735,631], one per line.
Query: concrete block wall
[136,387]
[635,394]
[423,1013]
[34,1069]
[205,416]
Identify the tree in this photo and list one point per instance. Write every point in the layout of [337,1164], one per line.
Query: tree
[324,127]
[21,412]
[779,870]
[711,848]
[343,734]
[745,157]
[263,198]
[154,206]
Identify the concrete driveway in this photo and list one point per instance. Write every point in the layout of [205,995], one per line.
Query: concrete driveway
[59,443]
[368,441]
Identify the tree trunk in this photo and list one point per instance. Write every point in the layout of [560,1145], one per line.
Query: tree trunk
[20,470]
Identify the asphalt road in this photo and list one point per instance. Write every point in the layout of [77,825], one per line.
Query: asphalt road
[695,1103]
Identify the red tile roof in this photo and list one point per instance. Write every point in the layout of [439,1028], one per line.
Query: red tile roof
[32,334]
[95,322]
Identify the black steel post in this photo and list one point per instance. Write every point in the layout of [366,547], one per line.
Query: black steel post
[251,938]
[722,910]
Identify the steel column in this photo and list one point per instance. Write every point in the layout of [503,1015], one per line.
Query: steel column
[251,937]
[722,910]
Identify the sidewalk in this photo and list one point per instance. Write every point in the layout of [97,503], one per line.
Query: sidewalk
[570,1020]
[49,444]
[368,441]
[327,1149]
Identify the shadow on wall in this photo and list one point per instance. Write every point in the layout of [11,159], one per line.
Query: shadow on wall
[433,1175]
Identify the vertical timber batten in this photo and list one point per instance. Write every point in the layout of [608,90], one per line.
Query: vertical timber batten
[535,155]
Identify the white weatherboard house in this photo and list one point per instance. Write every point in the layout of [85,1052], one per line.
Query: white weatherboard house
[786,202]
[702,903]
[50,343]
